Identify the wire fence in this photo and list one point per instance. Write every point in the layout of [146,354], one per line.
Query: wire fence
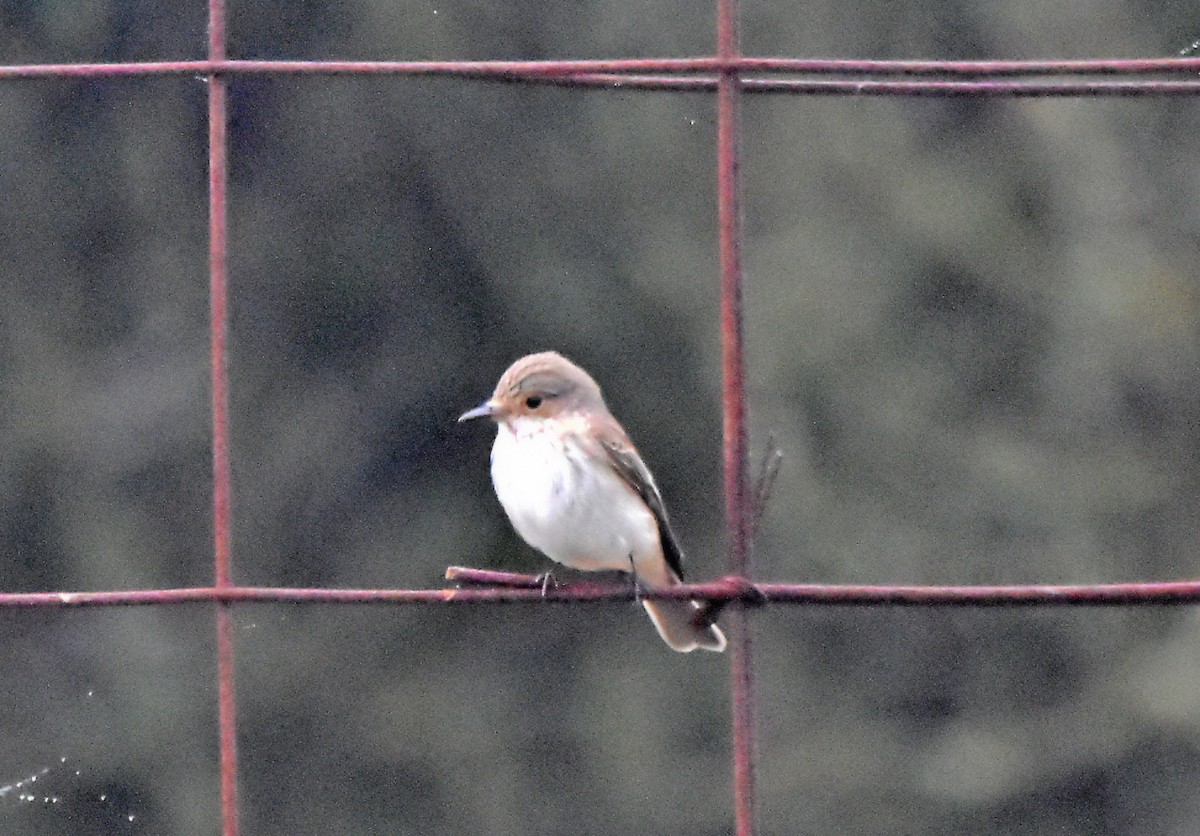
[729,75]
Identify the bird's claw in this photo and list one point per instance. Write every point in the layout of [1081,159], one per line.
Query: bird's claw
[548,581]
[634,582]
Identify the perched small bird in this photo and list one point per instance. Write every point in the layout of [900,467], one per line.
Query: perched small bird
[575,488]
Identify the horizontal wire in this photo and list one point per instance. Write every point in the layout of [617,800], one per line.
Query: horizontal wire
[971,78]
[528,589]
[747,65]
[932,88]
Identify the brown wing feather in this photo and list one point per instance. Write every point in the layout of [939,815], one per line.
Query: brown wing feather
[630,467]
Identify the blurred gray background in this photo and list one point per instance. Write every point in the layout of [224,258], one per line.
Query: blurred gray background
[972,329]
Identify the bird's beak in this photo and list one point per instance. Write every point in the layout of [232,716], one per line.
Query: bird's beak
[485,410]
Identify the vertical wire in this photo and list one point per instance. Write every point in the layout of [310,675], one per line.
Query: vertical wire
[222,488]
[737,509]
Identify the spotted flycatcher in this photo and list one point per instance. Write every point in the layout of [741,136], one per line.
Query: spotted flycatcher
[575,488]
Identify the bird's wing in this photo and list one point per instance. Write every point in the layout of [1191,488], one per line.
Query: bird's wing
[633,471]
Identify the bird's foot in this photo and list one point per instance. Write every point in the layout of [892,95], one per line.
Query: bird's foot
[548,581]
[634,582]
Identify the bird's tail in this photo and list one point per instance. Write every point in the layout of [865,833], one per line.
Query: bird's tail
[676,622]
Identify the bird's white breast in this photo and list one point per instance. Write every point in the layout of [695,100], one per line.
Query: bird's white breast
[573,508]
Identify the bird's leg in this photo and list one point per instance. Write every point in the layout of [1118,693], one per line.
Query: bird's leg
[633,579]
[547,581]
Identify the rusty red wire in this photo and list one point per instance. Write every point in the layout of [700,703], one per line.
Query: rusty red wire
[222,480]
[729,74]
[526,589]
[743,66]
[733,406]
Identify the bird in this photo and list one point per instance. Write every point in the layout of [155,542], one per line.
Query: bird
[575,488]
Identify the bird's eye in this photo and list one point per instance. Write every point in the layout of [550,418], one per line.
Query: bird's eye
[533,401]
